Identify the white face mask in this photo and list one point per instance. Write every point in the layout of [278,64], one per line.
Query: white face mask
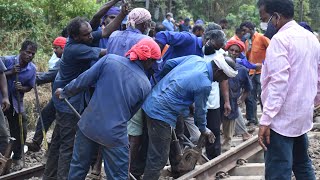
[146,32]
[263,26]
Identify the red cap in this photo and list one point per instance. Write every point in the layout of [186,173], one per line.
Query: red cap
[60,41]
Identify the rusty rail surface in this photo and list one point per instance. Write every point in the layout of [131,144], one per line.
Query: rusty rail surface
[225,162]
[36,171]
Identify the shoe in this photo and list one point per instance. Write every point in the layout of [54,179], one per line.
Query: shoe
[33,146]
[251,124]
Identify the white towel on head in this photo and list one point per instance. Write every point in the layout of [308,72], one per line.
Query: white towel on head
[222,64]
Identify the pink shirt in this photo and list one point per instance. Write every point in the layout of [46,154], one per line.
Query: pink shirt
[289,80]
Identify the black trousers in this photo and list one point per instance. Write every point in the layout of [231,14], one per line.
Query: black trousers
[60,152]
[213,123]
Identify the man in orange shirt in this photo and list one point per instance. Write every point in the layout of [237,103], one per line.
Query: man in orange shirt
[238,35]
[256,46]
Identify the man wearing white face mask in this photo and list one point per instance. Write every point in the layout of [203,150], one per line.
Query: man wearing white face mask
[256,46]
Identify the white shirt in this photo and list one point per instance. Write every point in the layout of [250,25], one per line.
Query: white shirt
[214,96]
[53,60]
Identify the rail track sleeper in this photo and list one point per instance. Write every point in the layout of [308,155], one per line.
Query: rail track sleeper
[225,162]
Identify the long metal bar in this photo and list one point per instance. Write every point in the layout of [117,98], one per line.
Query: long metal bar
[36,171]
[225,161]
[45,143]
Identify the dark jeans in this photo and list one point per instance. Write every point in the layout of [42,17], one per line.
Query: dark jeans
[13,120]
[213,123]
[138,151]
[4,133]
[158,150]
[48,114]
[286,154]
[251,101]
[116,159]
[60,151]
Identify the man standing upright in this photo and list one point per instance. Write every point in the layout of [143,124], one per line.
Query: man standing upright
[21,77]
[256,45]
[168,22]
[289,86]
[48,113]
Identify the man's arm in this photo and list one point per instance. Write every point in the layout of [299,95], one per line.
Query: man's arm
[224,85]
[47,77]
[173,38]
[277,87]
[5,104]
[317,99]
[95,21]
[200,101]
[84,80]
[116,23]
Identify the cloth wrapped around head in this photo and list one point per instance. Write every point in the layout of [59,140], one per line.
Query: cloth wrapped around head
[145,49]
[112,11]
[60,41]
[225,67]
[240,44]
[138,16]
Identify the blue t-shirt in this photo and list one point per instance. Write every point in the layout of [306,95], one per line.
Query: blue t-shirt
[27,77]
[241,82]
[186,80]
[121,89]
[76,59]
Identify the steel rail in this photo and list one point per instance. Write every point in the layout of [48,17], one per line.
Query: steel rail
[35,171]
[225,162]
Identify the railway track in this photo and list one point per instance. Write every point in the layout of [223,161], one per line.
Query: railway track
[23,174]
[229,164]
[245,161]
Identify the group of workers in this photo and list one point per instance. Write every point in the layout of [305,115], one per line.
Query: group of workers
[139,87]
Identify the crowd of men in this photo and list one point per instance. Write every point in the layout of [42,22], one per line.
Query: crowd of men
[139,86]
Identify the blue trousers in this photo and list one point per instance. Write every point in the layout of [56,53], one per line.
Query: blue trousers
[116,159]
[287,154]
[251,101]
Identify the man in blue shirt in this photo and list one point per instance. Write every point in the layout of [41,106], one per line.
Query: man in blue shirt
[21,76]
[77,56]
[5,104]
[48,113]
[114,101]
[185,26]
[120,42]
[168,22]
[106,14]
[186,80]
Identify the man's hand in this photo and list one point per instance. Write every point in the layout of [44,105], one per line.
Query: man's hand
[18,86]
[264,136]
[227,108]
[5,104]
[259,66]
[208,133]
[16,69]
[125,8]
[58,93]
